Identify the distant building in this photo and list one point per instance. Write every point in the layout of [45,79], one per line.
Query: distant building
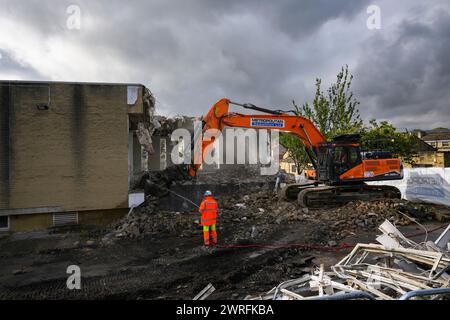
[69,152]
[434,148]
[439,139]
[287,163]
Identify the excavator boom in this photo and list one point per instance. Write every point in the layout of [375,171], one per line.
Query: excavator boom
[219,117]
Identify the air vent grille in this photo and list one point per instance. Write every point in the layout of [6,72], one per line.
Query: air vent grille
[67,218]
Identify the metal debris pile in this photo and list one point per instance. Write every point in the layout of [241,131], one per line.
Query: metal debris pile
[397,268]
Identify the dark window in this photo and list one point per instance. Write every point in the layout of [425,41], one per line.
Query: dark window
[340,155]
[353,156]
[4,223]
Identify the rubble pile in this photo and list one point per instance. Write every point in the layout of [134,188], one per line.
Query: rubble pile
[156,183]
[363,215]
[167,125]
[397,268]
[253,216]
[148,222]
[238,173]
[264,209]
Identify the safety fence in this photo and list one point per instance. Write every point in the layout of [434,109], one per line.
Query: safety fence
[430,185]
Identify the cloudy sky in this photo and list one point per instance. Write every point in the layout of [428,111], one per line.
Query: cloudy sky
[192,53]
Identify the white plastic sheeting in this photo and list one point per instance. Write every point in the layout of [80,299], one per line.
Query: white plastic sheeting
[423,185]
[135,199]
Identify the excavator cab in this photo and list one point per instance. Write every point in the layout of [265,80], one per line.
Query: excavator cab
[336,158]
[342,162]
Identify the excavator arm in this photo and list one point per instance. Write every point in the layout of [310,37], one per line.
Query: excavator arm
[219,117]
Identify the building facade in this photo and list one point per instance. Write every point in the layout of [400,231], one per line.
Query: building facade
[434,148]
[66,151]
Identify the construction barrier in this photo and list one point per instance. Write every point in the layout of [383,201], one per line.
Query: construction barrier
[430,185]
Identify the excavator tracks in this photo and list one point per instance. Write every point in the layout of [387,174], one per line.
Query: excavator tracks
[291,191]
[336,196]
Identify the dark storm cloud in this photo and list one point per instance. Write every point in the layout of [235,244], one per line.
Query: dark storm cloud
[192,53]
[406,75]
[297,18]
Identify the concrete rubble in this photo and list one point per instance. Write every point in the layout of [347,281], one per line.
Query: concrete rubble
[397,269]
[251,215]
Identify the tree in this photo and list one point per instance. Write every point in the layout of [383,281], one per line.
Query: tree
[439,128]
[384,136]
[295,147]
[337,113]
[333,113]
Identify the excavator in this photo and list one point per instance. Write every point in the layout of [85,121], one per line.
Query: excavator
[342,170]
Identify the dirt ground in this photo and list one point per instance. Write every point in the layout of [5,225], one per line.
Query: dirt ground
[165,259]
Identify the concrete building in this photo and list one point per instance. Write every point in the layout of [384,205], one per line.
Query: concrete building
[440,139]
[434,148]
[287,164]
[69,151]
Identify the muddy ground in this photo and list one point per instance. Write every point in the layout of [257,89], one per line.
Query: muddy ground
[159,255]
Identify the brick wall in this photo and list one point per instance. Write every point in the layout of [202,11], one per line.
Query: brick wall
[73,156]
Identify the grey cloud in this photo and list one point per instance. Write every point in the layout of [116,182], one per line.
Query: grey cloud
[9,65]
[407,76]
[192,53]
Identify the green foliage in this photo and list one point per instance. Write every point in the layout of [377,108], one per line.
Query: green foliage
[296,150]
[383,136]
[336,113]
[333,113]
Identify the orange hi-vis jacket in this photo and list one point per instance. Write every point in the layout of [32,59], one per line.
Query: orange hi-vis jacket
[208,209]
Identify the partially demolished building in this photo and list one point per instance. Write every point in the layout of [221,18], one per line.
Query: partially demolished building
[70,151]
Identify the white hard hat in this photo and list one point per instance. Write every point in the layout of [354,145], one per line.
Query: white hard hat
[208,193]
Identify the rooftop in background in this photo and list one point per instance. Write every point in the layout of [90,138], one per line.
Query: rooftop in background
[434,135]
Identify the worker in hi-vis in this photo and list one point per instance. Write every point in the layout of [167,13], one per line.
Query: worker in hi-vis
[208,209]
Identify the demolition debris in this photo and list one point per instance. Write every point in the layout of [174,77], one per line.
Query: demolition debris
[397,269]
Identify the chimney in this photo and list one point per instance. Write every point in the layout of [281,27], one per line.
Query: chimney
[420,134]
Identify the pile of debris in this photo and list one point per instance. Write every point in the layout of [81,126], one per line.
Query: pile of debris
[147,222]
[396,269]
[251,216]
[364,215]
[265,208]
[238,173]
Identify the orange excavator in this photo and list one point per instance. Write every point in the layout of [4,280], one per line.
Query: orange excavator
[342,170]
